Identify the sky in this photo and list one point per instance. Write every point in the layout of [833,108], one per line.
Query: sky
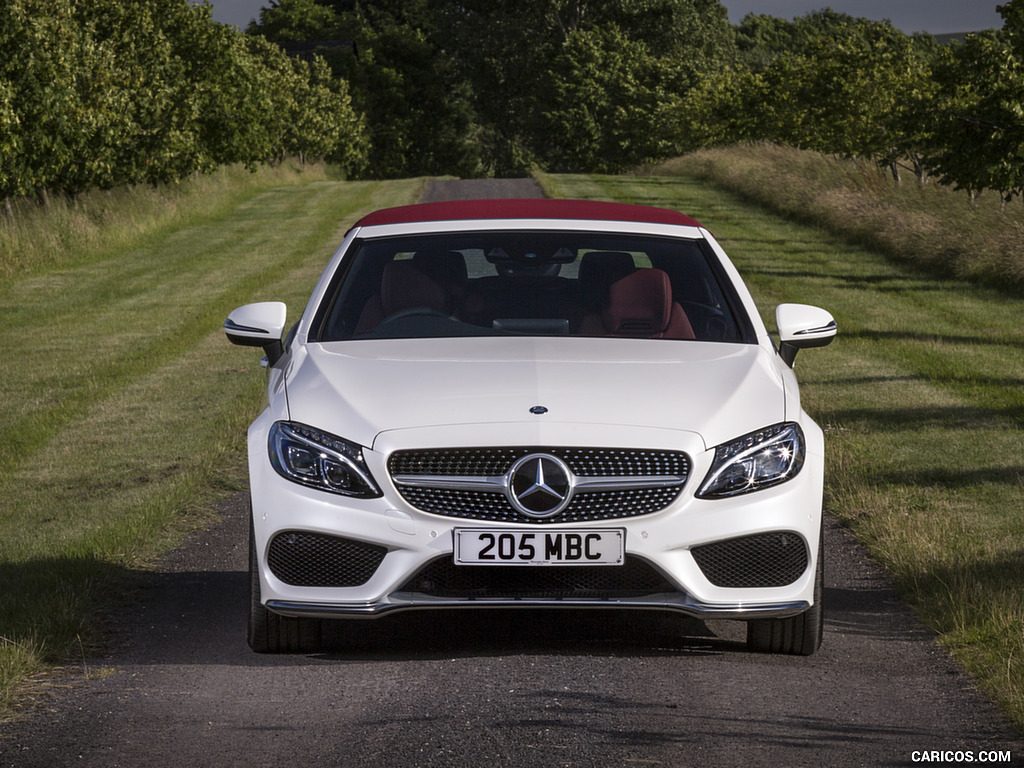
[935,16]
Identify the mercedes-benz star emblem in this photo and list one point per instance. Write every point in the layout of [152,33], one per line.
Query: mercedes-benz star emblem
[540,485]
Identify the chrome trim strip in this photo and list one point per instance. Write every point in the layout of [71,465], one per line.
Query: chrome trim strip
[232,327]
[628,483]
[500,484]
[827,328]
[408,601]
[453,482]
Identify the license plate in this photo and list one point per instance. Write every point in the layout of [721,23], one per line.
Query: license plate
[500,546]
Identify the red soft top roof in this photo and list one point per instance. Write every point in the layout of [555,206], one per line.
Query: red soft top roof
[526,208]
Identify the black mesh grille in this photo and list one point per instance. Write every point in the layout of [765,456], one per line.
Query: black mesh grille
[455,461]
[442,578]
[766,560]
[315,560]
[477,505]
[584,462]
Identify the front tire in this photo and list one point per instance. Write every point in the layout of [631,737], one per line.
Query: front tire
[798,635]
[270,632]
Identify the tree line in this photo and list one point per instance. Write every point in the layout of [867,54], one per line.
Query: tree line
[495,87]
[105,93]
[100,93]
[858,88]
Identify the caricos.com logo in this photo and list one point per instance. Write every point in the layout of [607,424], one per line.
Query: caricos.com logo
[960,756]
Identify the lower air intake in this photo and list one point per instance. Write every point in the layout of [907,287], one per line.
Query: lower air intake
[442,578]
[765,560]
[315,560]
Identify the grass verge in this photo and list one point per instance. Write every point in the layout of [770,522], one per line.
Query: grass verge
[125,415]
[40,238]
[922,399]
[926,225]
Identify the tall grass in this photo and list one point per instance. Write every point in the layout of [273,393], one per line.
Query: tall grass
[924,224]
[36,237]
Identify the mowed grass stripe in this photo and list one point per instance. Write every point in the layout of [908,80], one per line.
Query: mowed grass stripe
[922,397]
[158,321]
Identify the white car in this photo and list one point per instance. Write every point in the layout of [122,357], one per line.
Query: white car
[533,403]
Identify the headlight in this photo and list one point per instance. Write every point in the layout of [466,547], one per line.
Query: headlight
[759,460]
[310,457]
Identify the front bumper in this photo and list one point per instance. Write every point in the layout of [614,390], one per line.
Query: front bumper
[410,542]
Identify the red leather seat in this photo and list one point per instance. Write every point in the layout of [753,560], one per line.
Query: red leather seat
[402,286]
[640,306]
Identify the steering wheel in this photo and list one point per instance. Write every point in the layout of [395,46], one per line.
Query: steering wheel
[415,312]
[702,307]
[709,322]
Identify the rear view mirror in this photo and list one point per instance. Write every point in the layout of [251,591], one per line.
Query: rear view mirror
[802,327]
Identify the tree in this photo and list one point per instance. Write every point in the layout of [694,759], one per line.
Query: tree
[760,39]
[849,86]
[43,52]
[977,122]
[519,57]
[609,102]
[421,121]
[845,95]
[980,118]
[98,93]
[157,140]
[296,20]
[723,109]
[418,117]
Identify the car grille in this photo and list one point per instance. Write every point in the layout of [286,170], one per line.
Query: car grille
[442,578]
[597,462]
[315,560]
[765,560]
[586,463]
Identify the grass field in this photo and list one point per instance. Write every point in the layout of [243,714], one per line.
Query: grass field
[124,409]
[922,399]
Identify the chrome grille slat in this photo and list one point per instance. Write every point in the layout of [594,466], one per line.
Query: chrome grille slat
[471,483]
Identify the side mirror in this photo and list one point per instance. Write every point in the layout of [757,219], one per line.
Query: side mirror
[802,327]
[258,325]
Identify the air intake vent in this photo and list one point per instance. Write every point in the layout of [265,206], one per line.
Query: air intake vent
[442,578]
[315,560]
[765,560]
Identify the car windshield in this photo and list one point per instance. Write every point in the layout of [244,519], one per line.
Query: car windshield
[530,283]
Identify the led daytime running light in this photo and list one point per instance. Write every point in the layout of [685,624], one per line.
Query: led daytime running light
[319,460]
[756,461]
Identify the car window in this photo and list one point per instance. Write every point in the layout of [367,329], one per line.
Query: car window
[530,283]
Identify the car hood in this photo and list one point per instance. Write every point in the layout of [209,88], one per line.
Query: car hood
[362,389]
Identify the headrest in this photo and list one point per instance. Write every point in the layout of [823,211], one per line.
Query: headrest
[444,268]
[640,304]
[403,286]
[599,265]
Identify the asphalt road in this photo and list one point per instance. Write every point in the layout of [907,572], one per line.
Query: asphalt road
[179,686]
